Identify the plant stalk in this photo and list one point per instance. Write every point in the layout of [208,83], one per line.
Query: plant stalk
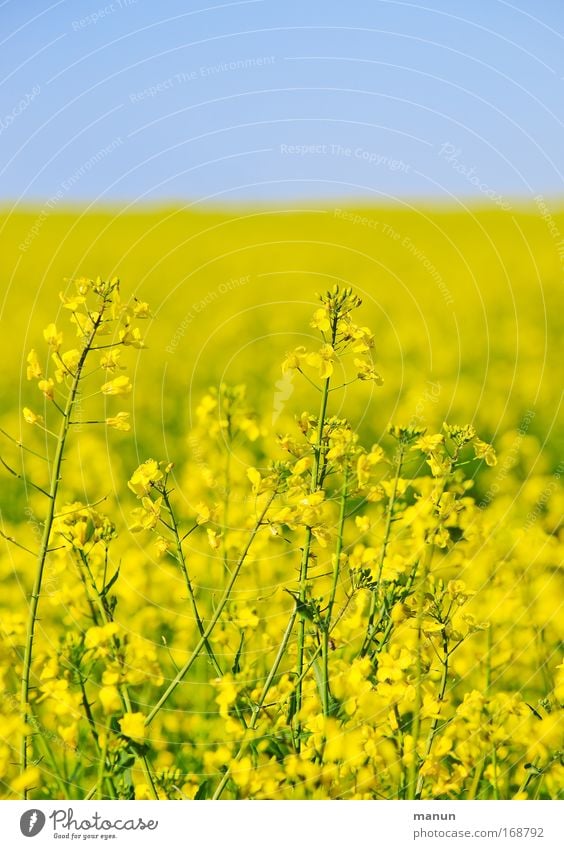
[184,568]
[44,545]
[332,595]
[213,621]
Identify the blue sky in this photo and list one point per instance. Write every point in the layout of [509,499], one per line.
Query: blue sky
[268,101]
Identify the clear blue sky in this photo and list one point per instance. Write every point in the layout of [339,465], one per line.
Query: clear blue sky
[272,101]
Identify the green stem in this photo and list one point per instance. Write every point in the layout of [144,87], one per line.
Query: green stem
[184,568]
[416,722]
[435,723]
[226,492]
[44,545]
[476,779]
[105,619]
[98,792]
[213,621]
[494,764]
[390,624]
[268,683]
[88,711]
[258,706]
[370,629]
[332,595]
[338,549]
[307,543]
[489,648]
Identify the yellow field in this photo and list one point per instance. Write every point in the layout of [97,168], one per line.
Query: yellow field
[305,605]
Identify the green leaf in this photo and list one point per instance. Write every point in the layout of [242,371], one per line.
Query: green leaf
[110,583]
[236,661]
[202,791]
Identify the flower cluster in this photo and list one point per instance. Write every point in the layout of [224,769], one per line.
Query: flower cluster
[331,610]
[96,311]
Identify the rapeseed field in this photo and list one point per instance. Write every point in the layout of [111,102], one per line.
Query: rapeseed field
[281,506]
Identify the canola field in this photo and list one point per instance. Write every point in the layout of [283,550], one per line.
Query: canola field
[281,504]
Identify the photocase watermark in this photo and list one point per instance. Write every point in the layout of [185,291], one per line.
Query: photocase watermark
[202,304]
[452,154]
[67,825]
[32,822]
[19,108]
[101,13]
[64,187]
[405,242]
[431,395]
[552,226]
[370,157]
[534,514]
[435,275]
[283,391]
[509,459]
[203,72]
[357,218]
[50,584]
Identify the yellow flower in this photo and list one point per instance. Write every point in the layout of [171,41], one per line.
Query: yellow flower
[473,625]
[366,371]
[127,336]
[143,792]
[366,463]
[66,364]
[53,338]
[111,360]
[31,417]
[362,339]
[146,518]
[255,479]
[118,386]
[120,421]
[69,734]
[461,434]
[484,451]
[141,309]
[458,592]
[405,435]
[441,537]
[72,303]
[100,634]
[28,779]
[146,474]
[428,444]
[110,700]
[33,368]
[294,359]
[250,427]
[362,523]
[227,694]
[48,388]
[162,547]
[214,539]
[322,535]
[320,320]
[203,513]
[83,285]
[322,360]
[133,725]
[439,464]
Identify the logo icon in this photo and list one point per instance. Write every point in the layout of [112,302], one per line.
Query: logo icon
[32,822]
